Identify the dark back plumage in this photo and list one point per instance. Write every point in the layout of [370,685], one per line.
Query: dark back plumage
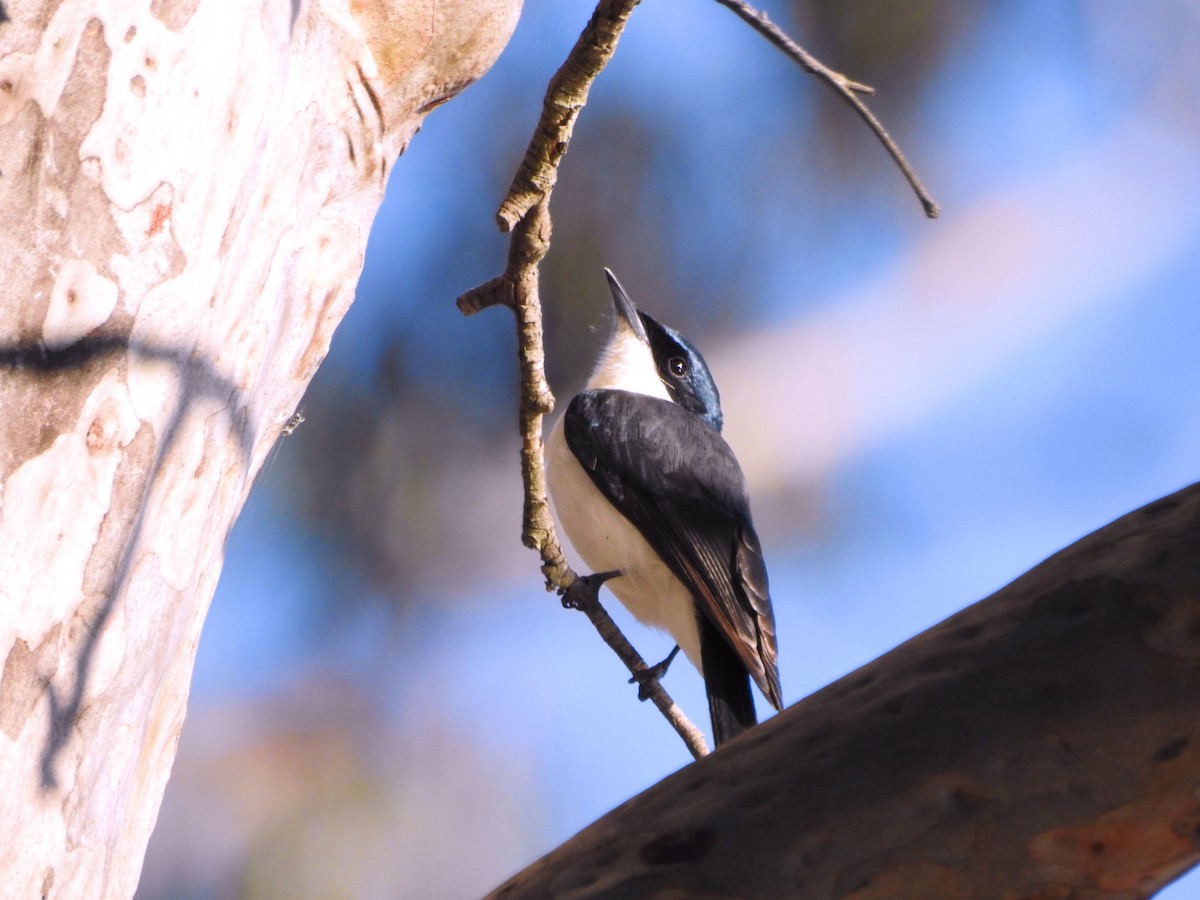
[678,482]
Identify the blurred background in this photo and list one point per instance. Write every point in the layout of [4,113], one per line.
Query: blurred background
[387,703]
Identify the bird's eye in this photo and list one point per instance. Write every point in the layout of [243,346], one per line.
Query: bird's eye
[678,366]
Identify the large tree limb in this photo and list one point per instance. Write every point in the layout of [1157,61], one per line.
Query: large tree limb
[1044,742]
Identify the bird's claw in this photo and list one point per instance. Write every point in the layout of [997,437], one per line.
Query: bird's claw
[585,590]
[652,674]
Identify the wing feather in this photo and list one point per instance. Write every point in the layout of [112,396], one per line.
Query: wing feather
[679,484]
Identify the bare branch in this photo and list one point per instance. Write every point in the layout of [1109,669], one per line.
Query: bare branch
[579,597]
[566,96]
[848,89]
[525,212]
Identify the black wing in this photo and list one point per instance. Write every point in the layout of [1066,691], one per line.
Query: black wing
[678,482]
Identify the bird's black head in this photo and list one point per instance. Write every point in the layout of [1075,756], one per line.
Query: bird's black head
[683,371]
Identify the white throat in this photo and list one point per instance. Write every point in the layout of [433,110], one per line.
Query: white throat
[627,365]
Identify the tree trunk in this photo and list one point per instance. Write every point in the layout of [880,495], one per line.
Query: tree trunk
[186,189]
[1043,743]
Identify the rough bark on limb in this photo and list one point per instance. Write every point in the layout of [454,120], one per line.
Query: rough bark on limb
[186,189]
[1044,742]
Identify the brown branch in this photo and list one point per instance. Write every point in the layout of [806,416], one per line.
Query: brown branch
[1043,742]
[579,597]
[848,89]
[653,691]
[566,95]
[525,212]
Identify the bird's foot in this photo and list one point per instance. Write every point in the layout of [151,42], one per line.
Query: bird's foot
[652,674]
[585,590]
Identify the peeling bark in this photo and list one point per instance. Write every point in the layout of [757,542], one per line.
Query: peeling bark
[1043,743]
[186,189]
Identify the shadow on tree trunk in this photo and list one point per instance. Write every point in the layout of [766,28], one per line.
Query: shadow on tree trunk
[87,359]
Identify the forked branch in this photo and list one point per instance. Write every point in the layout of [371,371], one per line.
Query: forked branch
[525,213]
[848,89]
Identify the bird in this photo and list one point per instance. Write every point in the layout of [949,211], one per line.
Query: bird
[644,485]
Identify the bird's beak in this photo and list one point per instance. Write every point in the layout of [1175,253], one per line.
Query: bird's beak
[626,311]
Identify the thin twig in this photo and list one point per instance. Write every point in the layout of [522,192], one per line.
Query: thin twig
[848,89]
[588,602]
[651,689]
[566,95]
[525,213]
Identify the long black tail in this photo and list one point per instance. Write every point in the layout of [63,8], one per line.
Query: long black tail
[730,703]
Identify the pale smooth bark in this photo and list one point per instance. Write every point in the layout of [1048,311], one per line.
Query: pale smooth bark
[185,190]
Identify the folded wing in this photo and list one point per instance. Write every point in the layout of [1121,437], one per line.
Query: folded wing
[677,481]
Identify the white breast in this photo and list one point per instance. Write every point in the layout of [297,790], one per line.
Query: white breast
[607,541]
